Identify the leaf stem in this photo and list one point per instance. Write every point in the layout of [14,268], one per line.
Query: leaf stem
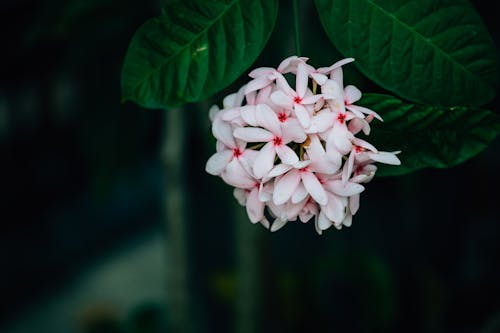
[296,27]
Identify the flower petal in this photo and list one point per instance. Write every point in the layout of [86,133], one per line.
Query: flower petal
[278,224]
[278,170]
[301,80]
[346,189]
[385,157]
[223,131]
[268,119]
[335,209]
[261,71]
[314,187]
[240,195]
[247,112]
[319,78]
[351,94]
[354,203]
[293,131]
[364,110]
[321,121]
[286,154]
[348,166]
[299,194]
[218,162]
[264,161]
[323,222]
[280,98]
[258,83]
[285,186]
[253,134]
[302,115]
[235,175]
[255,208]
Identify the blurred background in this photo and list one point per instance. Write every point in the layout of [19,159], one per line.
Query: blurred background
[109,222]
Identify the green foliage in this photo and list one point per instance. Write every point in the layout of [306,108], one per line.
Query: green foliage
[435,52]
[429,136]
[195,49]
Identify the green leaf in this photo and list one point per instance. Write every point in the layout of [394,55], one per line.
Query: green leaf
[434,52]
[428,136]
[195,49]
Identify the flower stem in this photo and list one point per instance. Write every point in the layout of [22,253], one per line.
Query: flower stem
[296,27]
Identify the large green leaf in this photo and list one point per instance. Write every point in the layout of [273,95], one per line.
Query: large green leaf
[428,136]
[434,52]
[195,49]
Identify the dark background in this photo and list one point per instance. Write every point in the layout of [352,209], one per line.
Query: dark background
[82,182]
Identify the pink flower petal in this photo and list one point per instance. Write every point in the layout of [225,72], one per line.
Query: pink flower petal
[285,186]
[302,115]
[282,85]
[301,80]
[358,124]
[264,95]
[264,161]
[223,132]
[290,64]
[299,194]
[346,189]
[255,208]
[385,157]
[240,195]
[278,170]
[280,98]
[261,71]
[236,175]
[365,111]
[248,113]
[278,224]
[323,222]
[311,99]
[286,154]
[347,220]
[314,187]
[354,204]
[365,144]
[351,94]
[253,134]
[218,162]
[268,119]
[319,78]
[335,208]
[258,83]
[321,121]
[348,166]
[293,131]
[341,138]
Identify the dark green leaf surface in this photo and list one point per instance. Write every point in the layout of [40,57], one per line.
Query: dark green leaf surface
[429,136]
[195,49]
[434,52]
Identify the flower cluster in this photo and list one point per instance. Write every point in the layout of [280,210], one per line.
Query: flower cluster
[295,151]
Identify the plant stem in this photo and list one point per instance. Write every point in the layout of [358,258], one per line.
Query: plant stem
[296,27]
[179,304]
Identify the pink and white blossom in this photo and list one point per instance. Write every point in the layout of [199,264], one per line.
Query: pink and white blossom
[293,154]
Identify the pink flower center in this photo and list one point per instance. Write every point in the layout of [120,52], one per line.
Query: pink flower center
[341,118]
[305,169]
[277,141]
[237,152]
[297,100]
[358,149]
[282,117]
